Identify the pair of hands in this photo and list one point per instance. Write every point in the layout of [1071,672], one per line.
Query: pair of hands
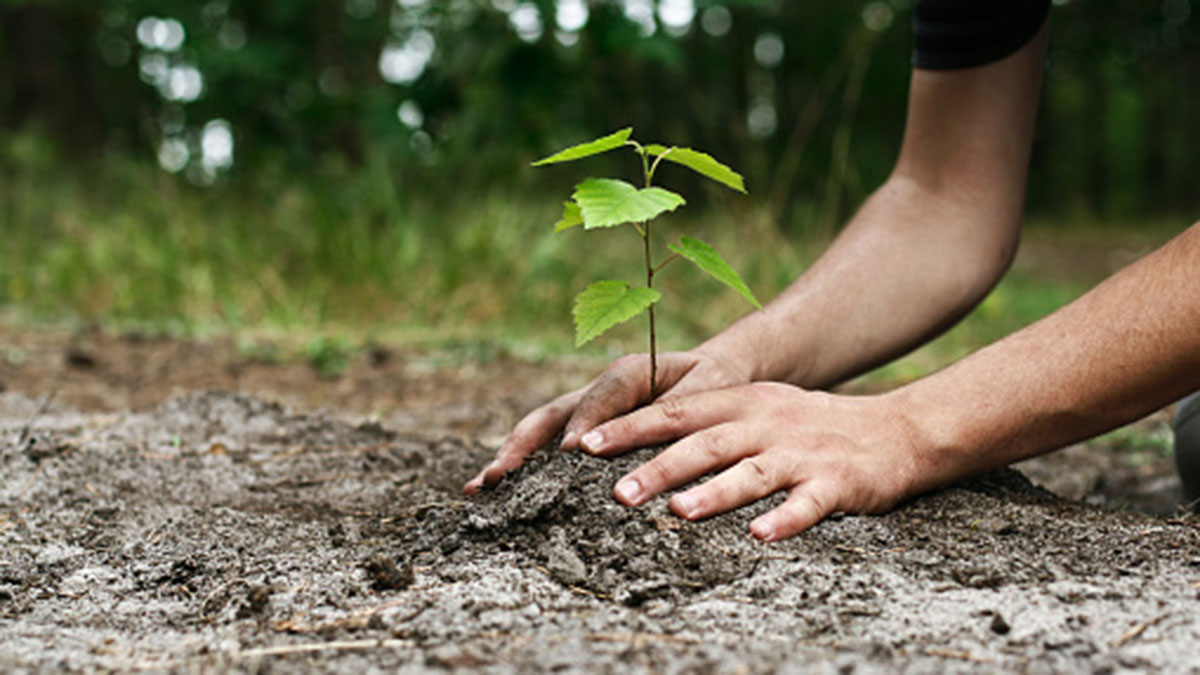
[830,453]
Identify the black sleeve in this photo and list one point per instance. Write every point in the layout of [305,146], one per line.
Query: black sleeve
[949,34]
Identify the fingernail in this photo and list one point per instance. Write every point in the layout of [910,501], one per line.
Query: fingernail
[592,441]
[762,529]
[629,490]
[570,440]
[686,505]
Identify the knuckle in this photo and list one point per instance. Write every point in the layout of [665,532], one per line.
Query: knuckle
[763,392]
[626,363]
[671,409]
[659,472]
[758,471]
[711,449]
[811,507]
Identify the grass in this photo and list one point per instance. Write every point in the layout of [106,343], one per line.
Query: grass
[342,259]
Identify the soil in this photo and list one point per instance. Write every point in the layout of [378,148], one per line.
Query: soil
[151,522]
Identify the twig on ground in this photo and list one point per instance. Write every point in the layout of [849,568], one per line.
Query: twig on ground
[956,654]
[38,412]
[32,479]
[640,640]
[1135,632]
[862,551]
[356,619]
[278,650]
[299,482]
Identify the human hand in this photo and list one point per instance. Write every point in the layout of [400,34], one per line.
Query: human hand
[830,453]
[621,388]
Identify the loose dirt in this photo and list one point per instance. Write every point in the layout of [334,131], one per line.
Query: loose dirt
[218,530]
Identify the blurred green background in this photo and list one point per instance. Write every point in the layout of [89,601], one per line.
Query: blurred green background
[361,167]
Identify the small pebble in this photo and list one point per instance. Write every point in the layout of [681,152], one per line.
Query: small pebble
[999,625]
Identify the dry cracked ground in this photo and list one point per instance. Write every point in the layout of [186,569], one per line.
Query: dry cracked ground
[179,506]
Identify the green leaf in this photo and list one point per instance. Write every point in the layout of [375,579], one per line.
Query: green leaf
[609,142]
[702,164]
[604,304]
[707,259]
[606,202]
[570,218]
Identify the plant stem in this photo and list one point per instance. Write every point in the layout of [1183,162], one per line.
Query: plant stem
[648,171]
[650,284]
[668,261]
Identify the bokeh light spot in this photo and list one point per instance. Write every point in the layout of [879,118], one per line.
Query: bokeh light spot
[571,15]
[716,20]
[768,50]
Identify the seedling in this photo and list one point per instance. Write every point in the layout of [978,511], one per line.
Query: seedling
[607,202]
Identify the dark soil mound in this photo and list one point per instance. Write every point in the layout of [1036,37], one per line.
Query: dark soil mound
[558,513]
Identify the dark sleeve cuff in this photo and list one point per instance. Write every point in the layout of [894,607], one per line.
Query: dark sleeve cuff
[951,34]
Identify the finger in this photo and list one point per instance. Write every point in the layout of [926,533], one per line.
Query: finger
[617,390]
[665,420]
[621,388]
[809,504]
[701,453]
[534,431]
[749,480]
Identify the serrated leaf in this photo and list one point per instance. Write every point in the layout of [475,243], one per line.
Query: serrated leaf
[604,304]
[702,163]
[706,258]
[571,217]
[606,202]
[609,142]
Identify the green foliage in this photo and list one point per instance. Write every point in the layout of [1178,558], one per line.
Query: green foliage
[607,202]
[605,304]
[701,163]
[706,258]
[571,217]
[330,357]
[596,147]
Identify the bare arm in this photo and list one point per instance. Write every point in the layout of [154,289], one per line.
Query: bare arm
[924,249]
[1125,349]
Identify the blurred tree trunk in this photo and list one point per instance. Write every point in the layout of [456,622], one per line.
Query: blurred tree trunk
[48,73]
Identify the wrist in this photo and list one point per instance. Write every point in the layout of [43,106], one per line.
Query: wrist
[736,353]
[729,359]
[931,439]
[752,348]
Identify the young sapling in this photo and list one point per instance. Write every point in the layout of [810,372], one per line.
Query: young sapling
[608,202]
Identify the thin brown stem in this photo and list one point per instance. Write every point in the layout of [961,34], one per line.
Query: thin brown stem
[668,261]
[650,284]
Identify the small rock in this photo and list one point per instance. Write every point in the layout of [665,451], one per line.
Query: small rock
[78,358]
[562,561]
[994,526]
[385,575]
[257,600]
[999,625]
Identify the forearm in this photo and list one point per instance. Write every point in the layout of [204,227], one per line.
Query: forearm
[924,249]
[1127,348]
[908,265]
